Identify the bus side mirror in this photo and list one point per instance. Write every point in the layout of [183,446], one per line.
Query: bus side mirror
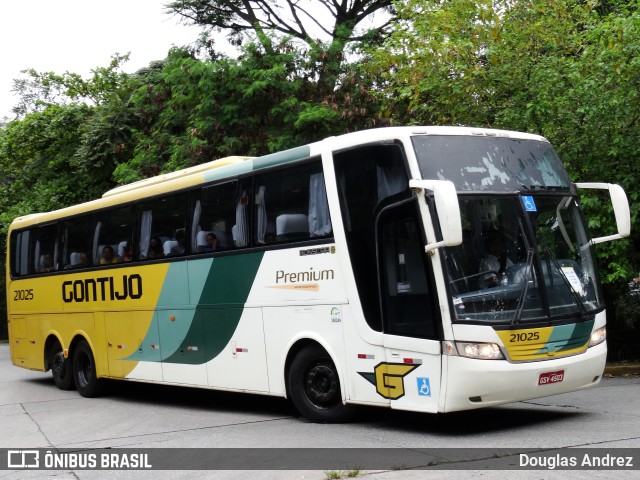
[446,200]
[620,209]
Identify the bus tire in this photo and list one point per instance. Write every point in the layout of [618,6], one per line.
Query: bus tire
[314,387]
[84,372]
[61,368]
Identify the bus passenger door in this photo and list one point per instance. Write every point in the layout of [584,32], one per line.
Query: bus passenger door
[410,379]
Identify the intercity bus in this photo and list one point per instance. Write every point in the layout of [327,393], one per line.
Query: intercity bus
[430,269]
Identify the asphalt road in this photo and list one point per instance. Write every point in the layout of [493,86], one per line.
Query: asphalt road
[35,414]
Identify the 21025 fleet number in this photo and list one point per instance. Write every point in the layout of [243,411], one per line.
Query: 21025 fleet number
[23,295]
[524,337]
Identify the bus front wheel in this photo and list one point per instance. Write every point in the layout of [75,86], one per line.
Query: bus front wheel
[61,368]
[314,387]
[84,371]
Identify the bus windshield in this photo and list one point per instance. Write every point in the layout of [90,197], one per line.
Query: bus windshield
[526,254]
[517,265]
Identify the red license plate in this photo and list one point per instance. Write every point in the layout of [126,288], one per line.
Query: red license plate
[551,377]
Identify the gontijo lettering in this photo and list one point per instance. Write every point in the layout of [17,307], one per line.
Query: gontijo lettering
[102,289]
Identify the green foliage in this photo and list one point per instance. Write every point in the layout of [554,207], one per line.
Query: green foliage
[189,111]
[563,69]
[41,89]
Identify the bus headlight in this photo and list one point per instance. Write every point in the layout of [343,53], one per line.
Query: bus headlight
[598,336]
[481,351]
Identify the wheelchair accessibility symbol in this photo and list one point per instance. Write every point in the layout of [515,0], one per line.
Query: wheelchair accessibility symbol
[424,388]
[529,203]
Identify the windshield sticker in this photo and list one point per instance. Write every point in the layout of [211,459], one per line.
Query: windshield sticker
[573,278]
[529,203]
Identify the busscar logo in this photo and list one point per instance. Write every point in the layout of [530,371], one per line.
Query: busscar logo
[317,251]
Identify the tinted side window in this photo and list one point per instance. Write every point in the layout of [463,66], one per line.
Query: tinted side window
[220,217]
[113,239]
[163,227]
[20,253]
[45,253]
[75,241]
[291,205]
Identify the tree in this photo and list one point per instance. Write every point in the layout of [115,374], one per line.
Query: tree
[561,68]
[41,89]
[301,20]
[189,111]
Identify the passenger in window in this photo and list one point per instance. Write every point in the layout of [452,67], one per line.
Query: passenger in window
[128,253]
[83,260]
[212,243]
[155,248]
[108,257]
[46,263]
[181,247]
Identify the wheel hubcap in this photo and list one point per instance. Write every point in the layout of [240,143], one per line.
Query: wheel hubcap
[322,385]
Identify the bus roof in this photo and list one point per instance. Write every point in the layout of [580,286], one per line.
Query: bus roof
[168,177]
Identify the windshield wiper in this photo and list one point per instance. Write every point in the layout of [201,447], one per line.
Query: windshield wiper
[523,295]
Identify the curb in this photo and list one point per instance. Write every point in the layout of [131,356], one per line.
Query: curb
[622,370]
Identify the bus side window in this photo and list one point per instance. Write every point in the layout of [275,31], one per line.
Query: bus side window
[75,240]
[113,232]
[20,249]
[45,254]
[291,205]
[219,217]
[160,220]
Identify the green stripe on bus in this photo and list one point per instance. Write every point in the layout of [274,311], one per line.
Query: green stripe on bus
[228,171]
[194,273]
[278,158]
[258,163]
[568,337]
[220,308]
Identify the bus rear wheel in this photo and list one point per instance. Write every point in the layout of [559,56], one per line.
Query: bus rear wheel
[84,372]
[314,387]
[61,368]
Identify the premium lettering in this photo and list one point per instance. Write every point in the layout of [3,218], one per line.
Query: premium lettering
[310,276]
[102,289]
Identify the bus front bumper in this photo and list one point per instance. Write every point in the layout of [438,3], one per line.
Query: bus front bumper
[475,383]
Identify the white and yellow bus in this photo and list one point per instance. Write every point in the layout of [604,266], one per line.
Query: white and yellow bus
[430,269]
